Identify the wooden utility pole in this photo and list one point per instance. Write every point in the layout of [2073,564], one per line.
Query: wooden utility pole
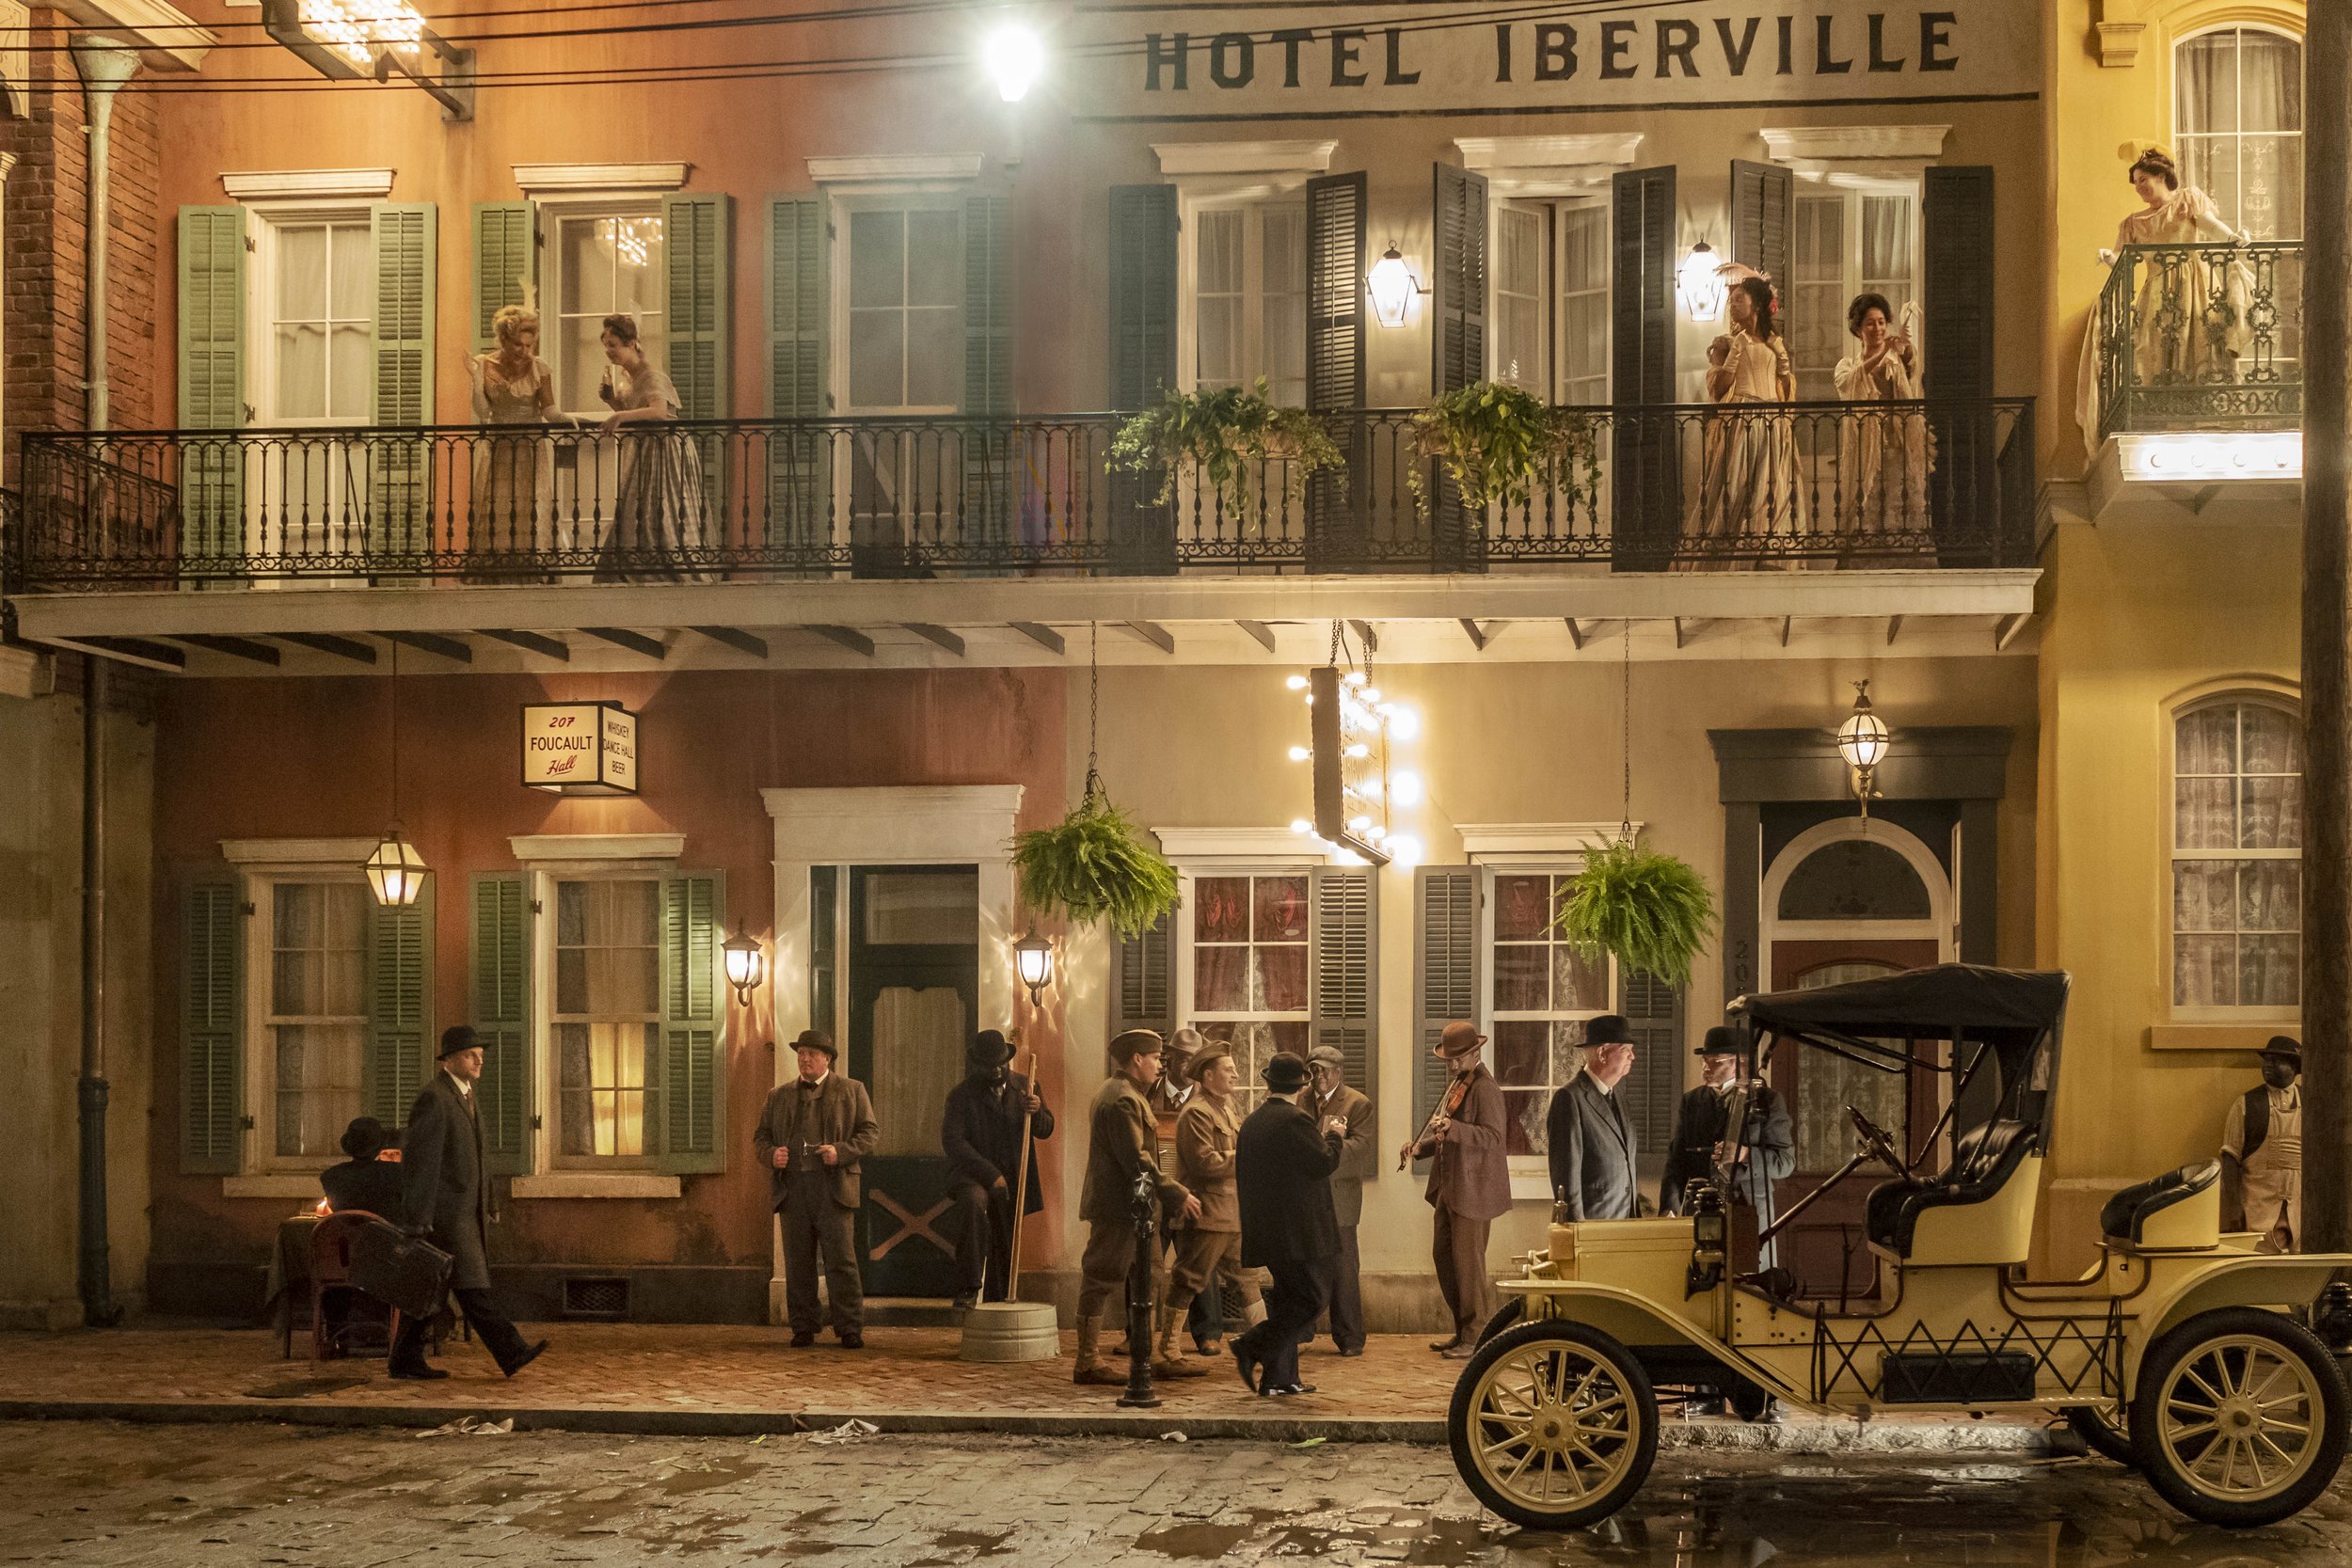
[2326,636]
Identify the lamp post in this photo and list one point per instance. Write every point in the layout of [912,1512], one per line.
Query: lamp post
[1034,956]
[1861,741]
[746,964]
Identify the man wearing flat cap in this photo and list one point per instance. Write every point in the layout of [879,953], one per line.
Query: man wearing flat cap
[981,1135]
[1207,1252]
[2262,1152]
[445,1193]
[812,1134]
[1764,1152]
[1470,1185]
[1124,1143]
[1284,1164]
[1326,1098]
[1589,1137]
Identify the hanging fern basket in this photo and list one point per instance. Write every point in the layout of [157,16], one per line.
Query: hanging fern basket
[1650,911]
[1095,862]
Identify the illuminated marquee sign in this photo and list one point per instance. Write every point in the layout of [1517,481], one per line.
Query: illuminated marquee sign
[580,748]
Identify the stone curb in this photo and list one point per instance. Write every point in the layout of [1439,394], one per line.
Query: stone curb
[1801,1435]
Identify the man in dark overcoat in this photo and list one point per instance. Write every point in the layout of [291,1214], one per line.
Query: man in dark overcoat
[1283,1162]
[812,1134]
[445,1193]
[1590,1141]
[981,1135]
[365,1181]
[1470,1185]
[1765,1151]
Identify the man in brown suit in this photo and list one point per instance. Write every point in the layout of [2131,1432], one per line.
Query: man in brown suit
[1470,1185]
[812,1133]
[1326,1098]
[1209,1252]
[1124,1142]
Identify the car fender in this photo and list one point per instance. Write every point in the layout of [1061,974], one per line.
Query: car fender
[1636,1322]
[2279,1280]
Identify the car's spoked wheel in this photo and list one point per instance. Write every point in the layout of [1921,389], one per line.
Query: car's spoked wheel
[2240,1416]
[2102,1428]
[1553,1425]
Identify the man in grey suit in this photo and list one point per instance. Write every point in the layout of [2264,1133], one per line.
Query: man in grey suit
[1591,1139]
[1329,1097]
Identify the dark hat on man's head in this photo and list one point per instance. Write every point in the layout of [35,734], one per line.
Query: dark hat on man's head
[1136,1042]
[1721,1040]
[365,1138]
[1284,1073]
[1460,1039]
[456,1037]
[2284,1045]
[816,1039]
[987,1050]
[1608,1029]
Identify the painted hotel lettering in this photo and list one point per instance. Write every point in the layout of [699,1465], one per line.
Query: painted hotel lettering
[1726,49]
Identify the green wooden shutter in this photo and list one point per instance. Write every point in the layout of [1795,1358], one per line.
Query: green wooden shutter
[211,1113]
[692,1077]
[1651,1093]
[698,241]
[1645,497]
[1446,903]
[400,506]
[1763,221]
[394,1057]
[500,943]
[505,264]
[1458,345]
[1345,902]
[824,957]
[1141,529]
[1338,532]
[211,379]
[1146,997]
[1966,498]
[992,463]
[798,516]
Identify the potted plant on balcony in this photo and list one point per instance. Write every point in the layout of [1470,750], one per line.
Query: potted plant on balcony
[1650,910]
[1500,444]
[1226,436]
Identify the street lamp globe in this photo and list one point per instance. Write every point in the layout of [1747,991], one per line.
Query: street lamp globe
[1393,286]
[395,871]
[1700,282]
[1014,57]
[1862,739]
[1034,955]
[746,964]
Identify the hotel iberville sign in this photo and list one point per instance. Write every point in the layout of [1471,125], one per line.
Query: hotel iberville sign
[580,748]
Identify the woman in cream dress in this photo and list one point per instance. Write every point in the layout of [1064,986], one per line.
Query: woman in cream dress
[512,473]
[1749,480]
[660,511]
[1882,459]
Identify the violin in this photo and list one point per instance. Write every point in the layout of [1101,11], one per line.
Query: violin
[1445,1110]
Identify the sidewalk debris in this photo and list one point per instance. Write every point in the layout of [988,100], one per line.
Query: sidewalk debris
[1174,1437]
[847,1432]
[473,1426]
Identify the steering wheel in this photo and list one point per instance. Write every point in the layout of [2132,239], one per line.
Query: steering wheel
[1876,1142]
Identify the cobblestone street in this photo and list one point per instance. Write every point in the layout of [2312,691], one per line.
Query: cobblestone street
[118,1495]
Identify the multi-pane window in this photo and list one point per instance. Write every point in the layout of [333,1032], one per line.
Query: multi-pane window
[1249,946]
[2238,873]
[1551,265]
[1846,243]
[317,1019]
[322,312]
[906,309]
[1249,297]
[1544,990]
[608,1016]
[607,265]
[2237,110]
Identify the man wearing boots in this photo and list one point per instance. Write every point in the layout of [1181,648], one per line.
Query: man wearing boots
[1285,1160]
[1124,1143]
[812,1134]
[445,1193]
[1209,1252]
[981,1135]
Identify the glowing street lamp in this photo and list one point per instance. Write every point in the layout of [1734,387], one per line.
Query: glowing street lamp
[746,964]
[1392,286]
[1700,282]
[1014,57]
[395,871]
[1861,741]
[1034,957]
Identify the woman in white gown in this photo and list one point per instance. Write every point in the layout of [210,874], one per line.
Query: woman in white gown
[513,468]
[1748,486]
[660,513]
[1882,459]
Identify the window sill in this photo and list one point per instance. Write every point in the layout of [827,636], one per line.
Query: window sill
[2251,1035]
[589,1184]
[286,1184]
[1529,1184]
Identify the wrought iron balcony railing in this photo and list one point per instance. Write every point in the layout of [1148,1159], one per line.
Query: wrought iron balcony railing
[1654,488]
[2201,337]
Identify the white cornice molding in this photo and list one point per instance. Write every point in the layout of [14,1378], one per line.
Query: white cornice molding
[281,185]
[1244,157]
[895,824]
[1532,843]
[254,853]
[865,167]
[1881,149]
[166,39]
[1598,150]
[547,850]
[542,179]
[1285,845]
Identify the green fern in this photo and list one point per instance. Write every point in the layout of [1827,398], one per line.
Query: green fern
[1227,436]
[1500,445]
[1651,910]
[1094,863]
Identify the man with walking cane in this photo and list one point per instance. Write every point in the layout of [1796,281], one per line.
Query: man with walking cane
[981,1135]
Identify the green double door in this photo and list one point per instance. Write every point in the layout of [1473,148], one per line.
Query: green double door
[914,995]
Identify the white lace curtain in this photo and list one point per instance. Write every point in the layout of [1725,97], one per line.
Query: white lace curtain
[2238,116]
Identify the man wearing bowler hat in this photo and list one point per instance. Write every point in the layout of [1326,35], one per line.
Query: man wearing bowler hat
[1591,1142]
[2262,1152]
[1283,1162]
[1470,1185]
[812,1133]
[1765,1150]
[445,1193]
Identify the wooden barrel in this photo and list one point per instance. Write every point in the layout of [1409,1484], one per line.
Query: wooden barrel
[1012,1331]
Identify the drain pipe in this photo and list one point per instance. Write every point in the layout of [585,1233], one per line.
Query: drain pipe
[103,66]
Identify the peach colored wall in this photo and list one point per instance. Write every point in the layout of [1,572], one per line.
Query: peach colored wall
[296,758]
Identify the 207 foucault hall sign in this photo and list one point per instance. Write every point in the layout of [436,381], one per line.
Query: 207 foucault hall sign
[1186,63]
[580,748]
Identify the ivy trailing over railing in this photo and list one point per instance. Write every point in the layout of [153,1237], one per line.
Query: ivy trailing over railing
[1227,436]
[1500,444]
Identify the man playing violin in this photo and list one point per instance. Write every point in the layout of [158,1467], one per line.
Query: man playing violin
[1469,1183]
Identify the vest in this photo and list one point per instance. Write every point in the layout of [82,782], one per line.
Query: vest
[2257,1120]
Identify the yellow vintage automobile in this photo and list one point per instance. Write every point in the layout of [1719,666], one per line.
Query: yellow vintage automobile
[2184,1352]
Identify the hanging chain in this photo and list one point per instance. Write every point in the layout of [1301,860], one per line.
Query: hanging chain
[395,734]
[1094,707]
[1338,643]
[1624,728]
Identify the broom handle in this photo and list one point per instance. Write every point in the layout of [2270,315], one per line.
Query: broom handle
[1021,1187]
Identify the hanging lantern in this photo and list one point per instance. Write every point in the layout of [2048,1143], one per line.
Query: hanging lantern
[1700,282]
[746,965]
[1861,741]
[395,872]
[1033,956]
[1392,286]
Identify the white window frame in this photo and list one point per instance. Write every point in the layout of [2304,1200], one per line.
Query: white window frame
[1852,189]
[554,211]
[1537,1167]
[902,197]
[260,1048]
[1211,193]
[2234,1013]
[1550,382]
[270,221]
[1197,852]
[2239,135]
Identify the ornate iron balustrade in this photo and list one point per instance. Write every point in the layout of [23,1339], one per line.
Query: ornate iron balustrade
[2201,337]
[1653,488]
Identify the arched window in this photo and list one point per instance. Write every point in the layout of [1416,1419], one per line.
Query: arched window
[2237,855]
[2237,116]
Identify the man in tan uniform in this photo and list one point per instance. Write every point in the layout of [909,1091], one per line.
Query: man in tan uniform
[1209,1252]
[2262,1152]
[1124,1142]
[1470,1185]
